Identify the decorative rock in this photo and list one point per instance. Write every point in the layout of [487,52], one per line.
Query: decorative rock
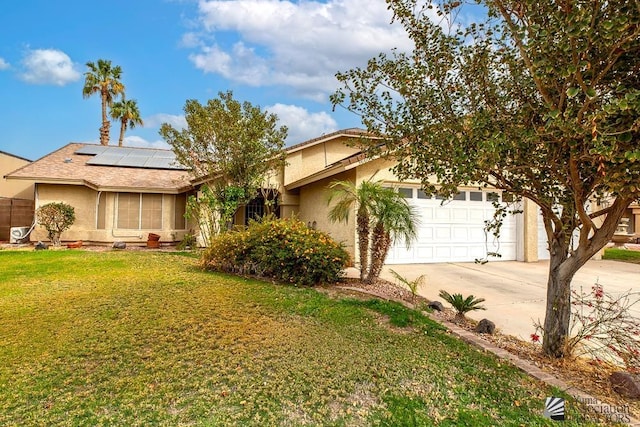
[625,384]
[436,305]
[40,246]
[119,245]
[486,326]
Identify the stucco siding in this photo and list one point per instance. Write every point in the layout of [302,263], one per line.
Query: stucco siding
[308,161]
[314,208]
[85,203]
[14,188]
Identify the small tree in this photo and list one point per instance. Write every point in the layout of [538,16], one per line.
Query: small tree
[56,218]
[540,99]
[233,145]
[382,216]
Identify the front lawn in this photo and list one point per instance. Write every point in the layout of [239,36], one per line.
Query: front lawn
[625,255]
[141,338]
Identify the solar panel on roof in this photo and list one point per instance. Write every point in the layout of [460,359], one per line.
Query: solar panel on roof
[162,163]
[106,159]
[131,157]
[92,149]
[133,161]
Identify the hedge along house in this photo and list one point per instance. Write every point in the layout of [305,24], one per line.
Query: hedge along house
[118,193]
[449,230]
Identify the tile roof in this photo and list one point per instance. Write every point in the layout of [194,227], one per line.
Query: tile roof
[353,132]
[64,166]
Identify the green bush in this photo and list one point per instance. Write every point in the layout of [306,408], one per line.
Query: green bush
[56,218]
[285,250]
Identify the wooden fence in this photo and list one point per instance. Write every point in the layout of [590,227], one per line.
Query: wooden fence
[14,213]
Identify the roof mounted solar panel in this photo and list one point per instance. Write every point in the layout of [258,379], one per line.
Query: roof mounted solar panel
[92,149]
[147,158]
[105,159]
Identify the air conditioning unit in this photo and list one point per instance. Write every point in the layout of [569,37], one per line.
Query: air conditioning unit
[18,234]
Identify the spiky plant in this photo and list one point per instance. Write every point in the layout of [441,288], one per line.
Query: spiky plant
[413,285]
[461,304]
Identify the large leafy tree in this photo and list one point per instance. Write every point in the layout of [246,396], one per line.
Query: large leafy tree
[382,216]
[128,113]
[541,99]
[234,145]
[104,79]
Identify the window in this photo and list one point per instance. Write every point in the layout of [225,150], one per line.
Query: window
[139,211]
[151,211]
[180,222]
[257,208]
[493,197]
[475,196]
[460,196]
[407,193]
[423,195]
[129,210]
[102,212]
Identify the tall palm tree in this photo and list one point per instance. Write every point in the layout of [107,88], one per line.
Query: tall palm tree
[394,219]
[104,79]
[128,113]
[350,196]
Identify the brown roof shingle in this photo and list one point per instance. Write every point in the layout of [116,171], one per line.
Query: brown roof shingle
[64,166]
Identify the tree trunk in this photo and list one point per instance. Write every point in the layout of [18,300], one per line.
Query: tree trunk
[104,129]
[363,242]
[381,242]
[563,267]
[123,128]
[558,311]
[55,238]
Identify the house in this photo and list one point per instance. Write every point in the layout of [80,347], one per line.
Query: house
[118,193]
[122,193]
[449,230]
[16,197]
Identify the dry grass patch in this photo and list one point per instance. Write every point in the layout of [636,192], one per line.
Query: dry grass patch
[139,338]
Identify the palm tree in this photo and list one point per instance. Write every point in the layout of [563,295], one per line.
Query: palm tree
[362,198]
[129,115]
[394,219]
[104,79]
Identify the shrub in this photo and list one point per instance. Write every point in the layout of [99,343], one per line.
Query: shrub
[188,242]
[285,250]
[603,327]
[56,218]
[461,304]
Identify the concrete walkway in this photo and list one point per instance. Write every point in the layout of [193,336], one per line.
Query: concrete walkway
[515,292]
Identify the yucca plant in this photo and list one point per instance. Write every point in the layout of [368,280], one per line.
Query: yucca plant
[413,285]
[461,304]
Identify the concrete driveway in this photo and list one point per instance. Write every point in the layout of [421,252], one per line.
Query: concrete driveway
[515,292]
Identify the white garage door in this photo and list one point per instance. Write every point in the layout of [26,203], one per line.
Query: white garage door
[454,231]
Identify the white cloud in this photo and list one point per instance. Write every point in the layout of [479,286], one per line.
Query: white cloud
[49,66]
[3,64]
[302,124]
[297,44]
[136,141]
[156,120]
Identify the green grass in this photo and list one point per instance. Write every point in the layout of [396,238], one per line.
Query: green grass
[135,338]
[622,255]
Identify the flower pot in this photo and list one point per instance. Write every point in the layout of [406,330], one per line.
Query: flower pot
[74,245]
[153,237]
[154,244]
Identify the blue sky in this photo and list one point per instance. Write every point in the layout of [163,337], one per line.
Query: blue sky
[280,55]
